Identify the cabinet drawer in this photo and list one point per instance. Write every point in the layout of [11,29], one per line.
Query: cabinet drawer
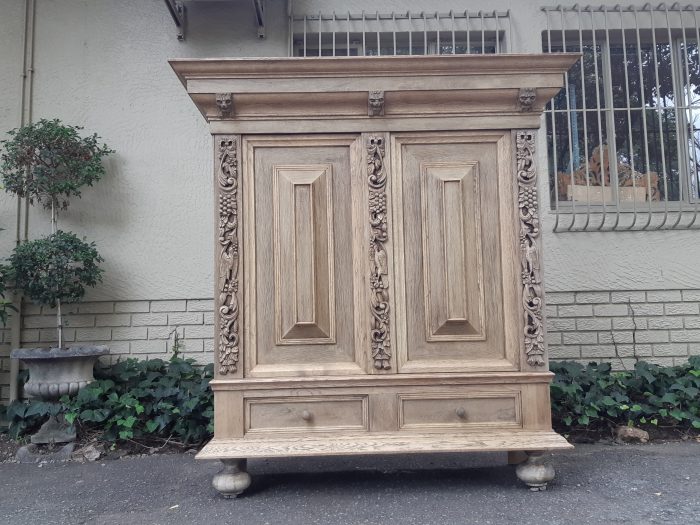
[306,414]
[459,410]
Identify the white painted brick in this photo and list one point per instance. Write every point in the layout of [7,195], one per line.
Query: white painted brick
[628,323]
[600,323]
[598,351]
[550,310]
[634,350]
[627,297]
[202,358]
[199,332]
[132,306]
[652,336]
[51,335]
[38,321]
[93,334]
[655,323]
[554,338]
[564,352]
[611,310]
[685,336]
[185,318]
[209,345]
[149,319]
[579,338]
[209,318]
[105,307]
[691,295]
[582,310]
[642,309]
[670,350]
[29,336]
[168,306]
[694,348]
[592,297]
[663,296]
[128,333]
[661,361]
[148,347]
[559,297]
[79,321]
[692,322]
[118,347]
[113,320]
[200,305]
[193,345]
[31,308]
[681,308]
[164,332]
[65,309]
[678,361]
[615,337]
[561,324]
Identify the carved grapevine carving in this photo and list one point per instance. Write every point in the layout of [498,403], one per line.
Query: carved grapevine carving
[529,254]
[379,264]
[228,255]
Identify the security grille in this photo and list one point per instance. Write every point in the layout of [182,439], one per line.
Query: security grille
[624,133]
[376,34]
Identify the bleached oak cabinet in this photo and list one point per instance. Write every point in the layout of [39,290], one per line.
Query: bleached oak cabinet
[377,250]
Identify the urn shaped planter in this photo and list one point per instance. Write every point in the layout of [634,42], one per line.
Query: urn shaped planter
[55,372]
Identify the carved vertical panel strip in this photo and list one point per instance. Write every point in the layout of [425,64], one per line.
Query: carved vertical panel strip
[529,248]
[227,264]
[379,264]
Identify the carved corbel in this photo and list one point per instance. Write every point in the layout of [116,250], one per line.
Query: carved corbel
[224,102]
[526,99]
[375,103]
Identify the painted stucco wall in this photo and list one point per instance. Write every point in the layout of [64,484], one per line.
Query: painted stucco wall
[103,64]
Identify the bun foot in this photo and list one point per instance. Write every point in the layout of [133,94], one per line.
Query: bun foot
[535,472]
[233,479]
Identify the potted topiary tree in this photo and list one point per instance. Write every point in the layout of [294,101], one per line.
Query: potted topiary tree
[48,163]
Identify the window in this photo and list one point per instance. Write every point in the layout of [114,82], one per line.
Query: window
[378,34]
[624,133]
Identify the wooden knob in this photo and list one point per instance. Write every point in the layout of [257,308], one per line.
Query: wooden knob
[306,415]
[461,413]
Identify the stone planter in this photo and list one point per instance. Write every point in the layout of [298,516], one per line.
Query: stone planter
[55,372]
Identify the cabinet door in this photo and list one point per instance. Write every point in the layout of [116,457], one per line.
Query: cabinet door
[301,247]
[457,261]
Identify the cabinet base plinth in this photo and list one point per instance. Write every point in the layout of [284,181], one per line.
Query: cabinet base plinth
[380,443]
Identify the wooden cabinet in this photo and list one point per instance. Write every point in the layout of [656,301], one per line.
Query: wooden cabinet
[378,277]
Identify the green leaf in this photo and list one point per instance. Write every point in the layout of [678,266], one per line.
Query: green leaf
[696,423]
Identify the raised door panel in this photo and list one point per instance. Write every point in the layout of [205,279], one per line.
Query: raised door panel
[302,292]
[456,280]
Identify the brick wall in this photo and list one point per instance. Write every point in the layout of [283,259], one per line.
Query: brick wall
[661,327]
[658,326]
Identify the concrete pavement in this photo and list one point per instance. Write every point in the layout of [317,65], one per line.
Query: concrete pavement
[610,484]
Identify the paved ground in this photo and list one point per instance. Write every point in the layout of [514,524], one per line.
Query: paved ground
[595,484]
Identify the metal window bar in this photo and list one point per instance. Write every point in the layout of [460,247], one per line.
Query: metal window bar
[377,34]
[624,132]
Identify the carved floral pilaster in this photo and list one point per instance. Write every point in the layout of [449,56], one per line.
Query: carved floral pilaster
[227,304]
[379,264]
[529,247]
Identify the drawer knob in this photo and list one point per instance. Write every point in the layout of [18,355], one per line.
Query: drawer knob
[306,415]
[461,413]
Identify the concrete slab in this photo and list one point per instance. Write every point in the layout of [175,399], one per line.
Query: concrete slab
[611,484]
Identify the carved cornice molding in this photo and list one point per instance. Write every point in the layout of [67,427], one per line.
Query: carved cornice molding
[379,263]
[529,247]
[228,300]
